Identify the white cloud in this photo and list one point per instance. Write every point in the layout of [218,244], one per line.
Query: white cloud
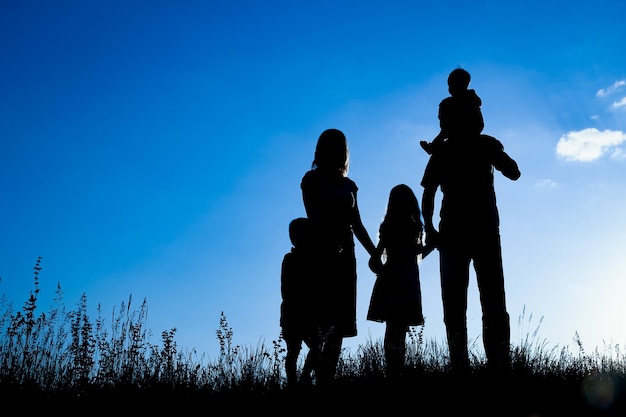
[617,85]
[546,183]
[589,144]
[618,154]
[621,103]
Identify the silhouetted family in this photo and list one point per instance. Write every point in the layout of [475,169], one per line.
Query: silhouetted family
[319,274]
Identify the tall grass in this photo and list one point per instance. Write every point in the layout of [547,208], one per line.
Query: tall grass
[65,350]
[64,353]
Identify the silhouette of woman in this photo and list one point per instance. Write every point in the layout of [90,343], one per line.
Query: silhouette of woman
[330,201]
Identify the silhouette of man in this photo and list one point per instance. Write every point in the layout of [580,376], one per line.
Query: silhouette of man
[469,232]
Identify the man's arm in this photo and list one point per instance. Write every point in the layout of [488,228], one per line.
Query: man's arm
[501,160]
[428,207]
[507,166]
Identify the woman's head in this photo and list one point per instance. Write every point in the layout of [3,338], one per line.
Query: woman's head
[331,152]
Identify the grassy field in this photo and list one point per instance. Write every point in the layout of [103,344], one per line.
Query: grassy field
[65,361]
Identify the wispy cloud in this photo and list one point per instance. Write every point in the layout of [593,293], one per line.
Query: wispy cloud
[618,154]
[590,144]
[617,85]
[621,103]
[546,183]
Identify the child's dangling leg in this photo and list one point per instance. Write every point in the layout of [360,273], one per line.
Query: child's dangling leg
[426,146]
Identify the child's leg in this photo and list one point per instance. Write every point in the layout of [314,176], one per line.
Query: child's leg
[436,142]
[395,347]
[426,146]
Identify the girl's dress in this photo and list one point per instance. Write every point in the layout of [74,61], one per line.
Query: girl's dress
[397,293]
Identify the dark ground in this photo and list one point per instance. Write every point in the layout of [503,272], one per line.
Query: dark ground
[432,395]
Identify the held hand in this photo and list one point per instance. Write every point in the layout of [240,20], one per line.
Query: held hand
[431,237]
[375,264]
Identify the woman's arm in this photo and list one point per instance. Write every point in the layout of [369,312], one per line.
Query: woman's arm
[360,232]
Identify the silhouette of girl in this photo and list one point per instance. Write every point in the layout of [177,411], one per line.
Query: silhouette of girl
[330,201]
[396,297]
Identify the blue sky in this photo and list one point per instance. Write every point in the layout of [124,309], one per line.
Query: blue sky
[155,149]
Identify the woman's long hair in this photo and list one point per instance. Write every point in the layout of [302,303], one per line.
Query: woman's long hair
[331,152]
[403,218]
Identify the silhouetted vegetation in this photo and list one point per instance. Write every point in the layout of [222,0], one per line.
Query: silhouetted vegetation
[64,359]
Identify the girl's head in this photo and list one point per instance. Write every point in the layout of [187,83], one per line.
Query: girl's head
[403,204]
[331,152]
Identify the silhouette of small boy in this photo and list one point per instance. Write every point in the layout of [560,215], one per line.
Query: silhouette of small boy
[297,318]
[459,114]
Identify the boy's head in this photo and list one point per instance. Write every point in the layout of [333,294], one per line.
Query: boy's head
[458,81]
[299,232]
